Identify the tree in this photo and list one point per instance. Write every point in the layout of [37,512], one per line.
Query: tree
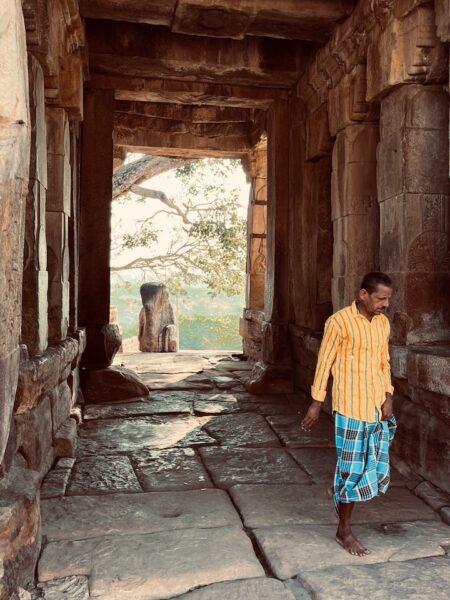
[208,240]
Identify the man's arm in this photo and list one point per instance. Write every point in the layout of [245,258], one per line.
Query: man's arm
[327,356]
[387,407]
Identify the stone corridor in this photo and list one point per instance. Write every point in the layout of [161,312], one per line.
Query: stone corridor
[202,491]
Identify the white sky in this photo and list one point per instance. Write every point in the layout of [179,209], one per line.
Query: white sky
[126,213]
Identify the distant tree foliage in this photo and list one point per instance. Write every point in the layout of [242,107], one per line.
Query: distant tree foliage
[208,244]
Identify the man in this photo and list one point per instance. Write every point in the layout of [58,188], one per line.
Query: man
[355,350]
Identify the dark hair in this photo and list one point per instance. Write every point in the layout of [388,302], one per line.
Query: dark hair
[372,280]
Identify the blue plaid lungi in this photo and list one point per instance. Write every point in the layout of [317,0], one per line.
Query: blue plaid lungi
[362,470]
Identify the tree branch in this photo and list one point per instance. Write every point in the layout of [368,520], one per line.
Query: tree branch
[161,196]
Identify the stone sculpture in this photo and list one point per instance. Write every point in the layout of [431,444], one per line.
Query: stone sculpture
[157,328]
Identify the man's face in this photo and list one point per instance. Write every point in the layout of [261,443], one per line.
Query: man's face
[377,302]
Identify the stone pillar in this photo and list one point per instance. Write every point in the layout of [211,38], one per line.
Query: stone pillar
[35,275]
[251,322]
[257,229]
[14,167]
[274,373]
[57,218]
[95,225]
[413,191]
[354,210]
[74,221]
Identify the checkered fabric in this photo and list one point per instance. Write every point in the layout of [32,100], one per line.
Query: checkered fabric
[362,470]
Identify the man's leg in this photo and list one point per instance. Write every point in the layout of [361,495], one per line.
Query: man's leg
[344,535]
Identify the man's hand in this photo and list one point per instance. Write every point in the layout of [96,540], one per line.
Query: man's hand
[387,408]
[312,416]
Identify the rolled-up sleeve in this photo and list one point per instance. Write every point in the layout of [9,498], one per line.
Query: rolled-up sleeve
[327,355]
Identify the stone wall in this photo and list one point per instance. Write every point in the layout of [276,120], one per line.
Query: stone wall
[375,99]
[41,345]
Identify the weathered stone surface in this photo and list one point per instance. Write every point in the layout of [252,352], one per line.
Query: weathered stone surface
[128,435]
[55,483]
[85,517]
[171,469]
[268,505]
[40,374]
[75,588]
[131,409]
[102,475]
[288,429]
[432,496]
[321,465]
[301,548]
[158,330]
[244,430]
[20,525]
[232,402]
[113,384]
[34,437]
[249,589]
[65,439]
[164,565]
[230,466]
[61,404]
[400,580]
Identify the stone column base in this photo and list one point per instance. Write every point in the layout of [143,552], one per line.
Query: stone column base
[270,379]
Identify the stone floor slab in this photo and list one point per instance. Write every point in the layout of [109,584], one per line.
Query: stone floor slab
[409,580]
[296,549]
[170,470]
[244,429]
[268,505]
[229,466]
[288,429]
[81,517]
[103,475]
[128,435]
[224,403]
[132,409]
[321,464]
[68,588]
[248,589]
[153,566]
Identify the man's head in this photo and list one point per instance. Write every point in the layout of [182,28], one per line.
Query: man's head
[375,292]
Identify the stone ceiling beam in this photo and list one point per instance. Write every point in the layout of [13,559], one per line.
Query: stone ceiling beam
[290,19]
[156,125]
[182,140]
[186,92]
[136,50]
[192,114]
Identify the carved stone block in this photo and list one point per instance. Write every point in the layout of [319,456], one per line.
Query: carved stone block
[157,325]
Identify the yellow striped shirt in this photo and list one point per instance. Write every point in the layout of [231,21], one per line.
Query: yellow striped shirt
[356,351]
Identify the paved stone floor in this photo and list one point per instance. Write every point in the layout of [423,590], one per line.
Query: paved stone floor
[201,491]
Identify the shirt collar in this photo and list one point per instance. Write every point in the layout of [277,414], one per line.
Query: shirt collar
[355,312]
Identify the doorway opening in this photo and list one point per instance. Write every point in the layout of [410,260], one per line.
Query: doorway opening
[182,224]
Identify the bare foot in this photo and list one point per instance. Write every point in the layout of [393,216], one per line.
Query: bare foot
[351,544]
[330,491]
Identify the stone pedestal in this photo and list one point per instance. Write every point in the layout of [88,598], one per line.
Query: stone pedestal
[413,191]
[95,223]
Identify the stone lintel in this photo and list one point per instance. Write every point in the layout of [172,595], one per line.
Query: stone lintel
[144,89]
[305,20]
[230,145]
[189,114]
